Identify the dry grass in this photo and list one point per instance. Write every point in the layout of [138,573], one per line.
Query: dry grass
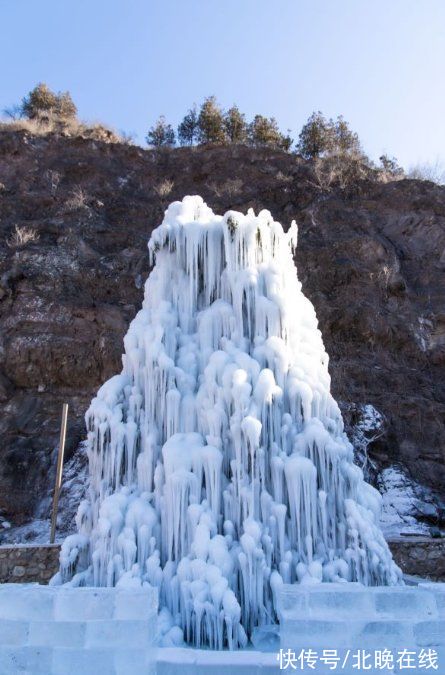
[64,127]
[21,236]
[77,200]
[432,171]
[388,177]
[343,170]
[128,138]
[164,188]
[229,188]
[283,178]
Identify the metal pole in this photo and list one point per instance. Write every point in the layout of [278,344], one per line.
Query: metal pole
[59,471]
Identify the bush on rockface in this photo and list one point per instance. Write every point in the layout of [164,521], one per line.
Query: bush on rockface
[342,170]
[21,236]
[44,111]
[339,160]
[42,104]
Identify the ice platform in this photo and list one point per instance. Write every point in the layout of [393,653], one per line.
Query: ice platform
[49,630]
[111,631]
[350,618]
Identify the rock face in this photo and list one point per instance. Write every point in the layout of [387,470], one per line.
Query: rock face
[372,263]
[420,557]
[28,564]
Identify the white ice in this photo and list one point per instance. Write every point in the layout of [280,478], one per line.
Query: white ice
[219,467]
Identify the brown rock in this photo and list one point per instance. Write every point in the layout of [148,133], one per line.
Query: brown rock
[373,265]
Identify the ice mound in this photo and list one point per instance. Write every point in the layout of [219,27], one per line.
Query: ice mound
[219,467]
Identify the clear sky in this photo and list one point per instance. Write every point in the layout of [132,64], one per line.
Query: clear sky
[380,63]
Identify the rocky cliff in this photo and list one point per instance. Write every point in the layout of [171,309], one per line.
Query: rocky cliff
[75,216]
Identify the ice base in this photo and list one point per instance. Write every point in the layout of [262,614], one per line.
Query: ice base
[351,617]
[219,467]
[46,630]
[112,631]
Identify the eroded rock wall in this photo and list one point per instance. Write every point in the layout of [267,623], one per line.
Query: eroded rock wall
[372,263]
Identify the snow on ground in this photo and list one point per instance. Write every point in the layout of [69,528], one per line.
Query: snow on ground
[405,503]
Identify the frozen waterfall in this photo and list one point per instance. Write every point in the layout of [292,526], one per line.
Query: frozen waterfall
[219,467]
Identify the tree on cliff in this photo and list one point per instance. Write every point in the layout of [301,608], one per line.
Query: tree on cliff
[343,138]
[188,128]
[390,167]
[320,137]
[235,125]
[265,131]
[211,123]
[161,135]
[43,104]
[315,137]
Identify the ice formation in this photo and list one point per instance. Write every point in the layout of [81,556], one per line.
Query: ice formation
[219,467]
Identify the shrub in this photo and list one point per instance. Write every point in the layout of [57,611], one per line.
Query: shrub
[43,104]
[188,128]
[21,236]
[161,135]
[343,170]
[65,108]
[211,123]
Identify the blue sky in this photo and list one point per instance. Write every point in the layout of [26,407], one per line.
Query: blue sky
[380,63]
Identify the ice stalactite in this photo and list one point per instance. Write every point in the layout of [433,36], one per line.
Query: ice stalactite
[219,467]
